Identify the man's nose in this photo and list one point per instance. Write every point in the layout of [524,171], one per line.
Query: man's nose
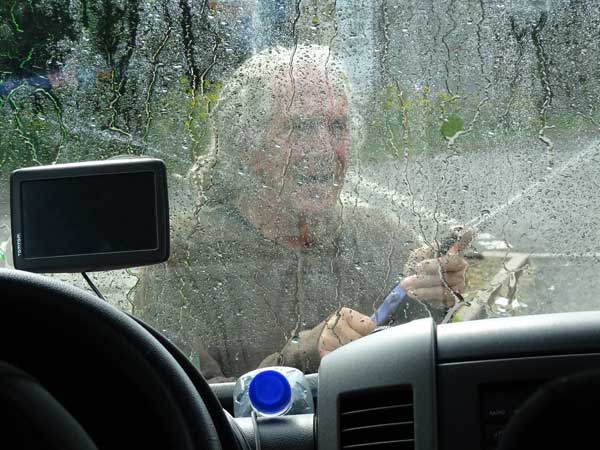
[322,137]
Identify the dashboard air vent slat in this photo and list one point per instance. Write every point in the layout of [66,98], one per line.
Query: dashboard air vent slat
[381,419]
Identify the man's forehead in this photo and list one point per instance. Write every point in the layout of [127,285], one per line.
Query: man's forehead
[310,88]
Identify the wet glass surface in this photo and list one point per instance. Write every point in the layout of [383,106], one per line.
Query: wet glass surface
[318,151]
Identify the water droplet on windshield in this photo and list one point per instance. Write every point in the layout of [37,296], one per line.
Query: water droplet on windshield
[501,305]
[516,305]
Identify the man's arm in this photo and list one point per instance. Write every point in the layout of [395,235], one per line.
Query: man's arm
[347,325]
[305,351]
[301,352]
[210,368]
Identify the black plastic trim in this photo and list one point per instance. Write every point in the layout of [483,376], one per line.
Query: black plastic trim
[379,408]
[381,425]
[548,334]
[460,412]
[277,433]
[372,444]
[403,355]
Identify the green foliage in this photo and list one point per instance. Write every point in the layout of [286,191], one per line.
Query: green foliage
[451,125]
[410,121]
[200,107]
[29,33]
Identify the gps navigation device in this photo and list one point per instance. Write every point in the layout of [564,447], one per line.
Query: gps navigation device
[90,216]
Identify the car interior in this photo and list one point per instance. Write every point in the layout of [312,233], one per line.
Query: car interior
[413,386]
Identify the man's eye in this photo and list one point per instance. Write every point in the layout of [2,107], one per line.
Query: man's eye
[338,126]
[286,127]
[305,125]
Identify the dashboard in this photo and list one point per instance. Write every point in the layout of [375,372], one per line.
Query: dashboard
[422,386]
[414,386]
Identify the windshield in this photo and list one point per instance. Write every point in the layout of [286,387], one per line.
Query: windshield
[333,165]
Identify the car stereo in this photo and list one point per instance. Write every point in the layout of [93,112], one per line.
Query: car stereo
[90,216]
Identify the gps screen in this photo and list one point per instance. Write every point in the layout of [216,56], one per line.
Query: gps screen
[89,215]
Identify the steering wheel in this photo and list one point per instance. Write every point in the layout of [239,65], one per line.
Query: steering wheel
[122,386]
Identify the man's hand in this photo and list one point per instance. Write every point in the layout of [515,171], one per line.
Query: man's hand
[345,325]
[433,278]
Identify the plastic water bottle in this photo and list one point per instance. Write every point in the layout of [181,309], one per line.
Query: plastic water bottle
[272,391]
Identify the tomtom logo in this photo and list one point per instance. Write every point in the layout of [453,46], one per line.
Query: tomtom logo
[19,245]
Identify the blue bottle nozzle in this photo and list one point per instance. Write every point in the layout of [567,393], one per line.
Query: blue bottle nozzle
[270,393]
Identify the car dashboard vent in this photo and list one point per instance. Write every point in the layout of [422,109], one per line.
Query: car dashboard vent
[381,419]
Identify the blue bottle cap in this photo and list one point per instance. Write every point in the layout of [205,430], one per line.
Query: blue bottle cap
[270,392]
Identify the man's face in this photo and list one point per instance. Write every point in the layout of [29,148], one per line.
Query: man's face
[306,145]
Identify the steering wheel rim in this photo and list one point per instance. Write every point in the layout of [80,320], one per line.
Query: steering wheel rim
[37,419]
[44,320]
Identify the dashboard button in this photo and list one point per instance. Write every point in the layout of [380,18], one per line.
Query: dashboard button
[492,434]
[497,414]
[497,408]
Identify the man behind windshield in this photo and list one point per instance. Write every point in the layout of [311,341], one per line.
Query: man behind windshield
[269,266]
